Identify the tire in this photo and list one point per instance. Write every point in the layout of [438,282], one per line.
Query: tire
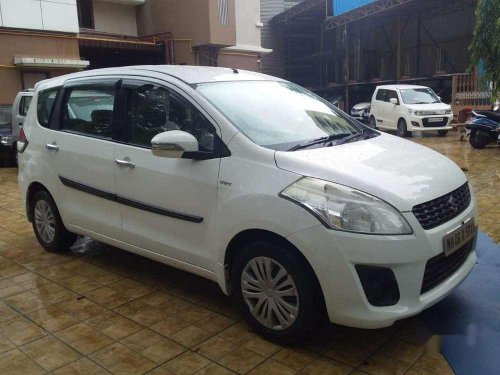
[305,298]
[442,133]
[373,123]
[402,129]
[47,224]
[478,138]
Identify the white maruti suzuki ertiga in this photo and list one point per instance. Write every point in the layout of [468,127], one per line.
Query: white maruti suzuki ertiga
[253,182]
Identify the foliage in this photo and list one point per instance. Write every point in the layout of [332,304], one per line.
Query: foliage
[485,46]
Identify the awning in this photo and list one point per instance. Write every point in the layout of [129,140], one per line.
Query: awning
[248,49]
[43,62]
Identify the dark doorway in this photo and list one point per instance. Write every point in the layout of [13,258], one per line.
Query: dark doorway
[100,57]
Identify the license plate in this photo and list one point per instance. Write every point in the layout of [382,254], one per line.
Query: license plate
[459,237]
[436,119]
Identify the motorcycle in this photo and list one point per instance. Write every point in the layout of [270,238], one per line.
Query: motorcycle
[483,127]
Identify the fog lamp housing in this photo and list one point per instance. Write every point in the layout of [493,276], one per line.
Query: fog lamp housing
[379,284]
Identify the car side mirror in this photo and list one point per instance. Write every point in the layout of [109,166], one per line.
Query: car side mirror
[174,144]
[393,101]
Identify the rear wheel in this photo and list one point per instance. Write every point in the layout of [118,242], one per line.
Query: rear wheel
[403,129]
[276,293]
[478,138]
[47,224]
[442,133]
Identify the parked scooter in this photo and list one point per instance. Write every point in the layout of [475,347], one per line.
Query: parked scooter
[483,127]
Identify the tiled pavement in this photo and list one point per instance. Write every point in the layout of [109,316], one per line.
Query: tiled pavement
[99,309]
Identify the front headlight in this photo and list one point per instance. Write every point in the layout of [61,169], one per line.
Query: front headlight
[343,208]
[415,112]
[447,112]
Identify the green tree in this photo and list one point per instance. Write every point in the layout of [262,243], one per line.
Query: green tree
[485,46]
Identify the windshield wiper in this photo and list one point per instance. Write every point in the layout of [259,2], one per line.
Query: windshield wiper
[322,140]
[351,137]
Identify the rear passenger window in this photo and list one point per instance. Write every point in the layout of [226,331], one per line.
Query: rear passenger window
[45,105]
[89,111]
[24,105]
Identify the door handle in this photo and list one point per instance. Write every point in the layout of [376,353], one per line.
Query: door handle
[52,147]
[125,163]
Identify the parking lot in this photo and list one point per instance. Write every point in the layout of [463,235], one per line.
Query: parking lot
[99,309]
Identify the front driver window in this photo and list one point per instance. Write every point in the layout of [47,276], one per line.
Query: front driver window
[154,109]
[392,95]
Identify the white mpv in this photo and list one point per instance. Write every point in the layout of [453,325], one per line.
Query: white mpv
[409,108]
[293,208]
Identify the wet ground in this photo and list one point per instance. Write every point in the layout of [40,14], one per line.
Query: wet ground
[99,310]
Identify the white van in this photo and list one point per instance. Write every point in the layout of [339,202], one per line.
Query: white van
[409,108]
[253,182]
[12,119]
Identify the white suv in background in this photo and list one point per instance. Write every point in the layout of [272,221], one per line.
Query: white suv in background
[409,108]
[253,182]
[12,119]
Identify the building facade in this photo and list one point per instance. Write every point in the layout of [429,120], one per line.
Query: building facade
[41,44]
[109,35]
[248,52]
[343,49]
[207,32]
[58,37]
[273,63]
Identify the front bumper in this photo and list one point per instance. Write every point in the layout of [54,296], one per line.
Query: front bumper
[334,254]
[419,123]
[359,115]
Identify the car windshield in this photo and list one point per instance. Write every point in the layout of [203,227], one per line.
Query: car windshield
[278,115]
[419,96]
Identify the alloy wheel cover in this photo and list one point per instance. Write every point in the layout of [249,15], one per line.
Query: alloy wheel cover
[270,293]
[45,221]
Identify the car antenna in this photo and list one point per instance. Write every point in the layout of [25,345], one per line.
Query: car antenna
[235,71]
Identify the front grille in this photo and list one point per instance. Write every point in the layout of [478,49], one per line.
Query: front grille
[439,268]
[428,124]
[440,210]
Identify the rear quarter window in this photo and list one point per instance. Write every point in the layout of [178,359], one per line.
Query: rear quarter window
[24,105]
[45,105]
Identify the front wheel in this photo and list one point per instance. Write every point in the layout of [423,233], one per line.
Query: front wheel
[442,133]
[276,293]
[402,130]
[47,224]
[373,123]
[478,138]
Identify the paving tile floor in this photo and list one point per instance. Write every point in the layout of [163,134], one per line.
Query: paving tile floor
[99,310]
